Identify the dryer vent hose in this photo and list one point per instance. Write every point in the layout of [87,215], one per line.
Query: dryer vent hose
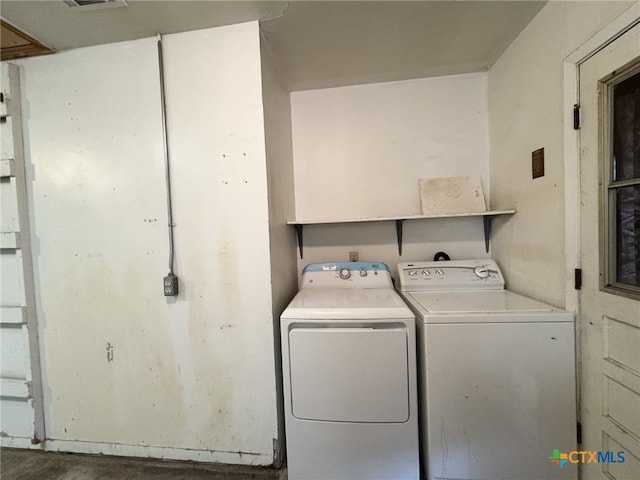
[441,256]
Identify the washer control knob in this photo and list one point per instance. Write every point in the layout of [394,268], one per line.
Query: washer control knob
[345,274]
[363,272]
[481,272]
[426,273]
[439,272]
[413,273]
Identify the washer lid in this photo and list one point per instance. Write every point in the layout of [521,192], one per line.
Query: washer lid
[495,301]
[346,304]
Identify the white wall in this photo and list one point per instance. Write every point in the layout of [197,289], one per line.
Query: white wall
[191,377]
[284,279]
[526,113]
[359,152]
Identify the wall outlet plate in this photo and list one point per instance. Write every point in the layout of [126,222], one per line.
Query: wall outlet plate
[170,283]
[537,163]
[353,256]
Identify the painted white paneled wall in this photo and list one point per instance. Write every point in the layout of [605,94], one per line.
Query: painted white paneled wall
[359,152]
[526,113]
[21,402]
[127,370]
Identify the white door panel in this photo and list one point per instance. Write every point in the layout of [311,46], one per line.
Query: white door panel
[610,321]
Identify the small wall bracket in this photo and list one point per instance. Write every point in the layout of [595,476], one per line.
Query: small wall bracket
[299,237]
[399,225]
[486,223]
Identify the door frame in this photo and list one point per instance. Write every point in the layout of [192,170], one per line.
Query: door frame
[571,83]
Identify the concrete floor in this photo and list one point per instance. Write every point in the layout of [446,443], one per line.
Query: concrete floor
[18,464]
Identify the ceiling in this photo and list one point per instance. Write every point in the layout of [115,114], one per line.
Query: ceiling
[318,44]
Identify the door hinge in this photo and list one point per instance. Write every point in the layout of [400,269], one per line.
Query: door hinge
[579,433]
[578,278]
[576,117]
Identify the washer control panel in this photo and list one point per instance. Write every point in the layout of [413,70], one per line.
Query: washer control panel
[481,274]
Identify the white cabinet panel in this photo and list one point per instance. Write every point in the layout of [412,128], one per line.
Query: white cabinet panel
[12,315]
[10,240]
[8,206]
[17,418]
[16,388]
[14,353]
[6,136]
[7,168]
[20,384]
[11,279]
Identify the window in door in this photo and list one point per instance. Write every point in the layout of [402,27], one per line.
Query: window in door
[620,94]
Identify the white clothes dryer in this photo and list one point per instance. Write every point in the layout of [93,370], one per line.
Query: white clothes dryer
[496,375]
[349,372]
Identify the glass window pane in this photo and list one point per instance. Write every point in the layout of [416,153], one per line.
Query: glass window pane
[628,235]
[626,129]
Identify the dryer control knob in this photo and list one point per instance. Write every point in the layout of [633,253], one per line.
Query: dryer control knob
[363,272]
[345,273]
[413,273]
[481,272]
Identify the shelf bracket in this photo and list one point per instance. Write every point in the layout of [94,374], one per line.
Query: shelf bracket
[299,237]
[486,221]
[399,235]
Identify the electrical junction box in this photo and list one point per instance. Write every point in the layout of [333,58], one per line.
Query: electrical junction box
[170,285]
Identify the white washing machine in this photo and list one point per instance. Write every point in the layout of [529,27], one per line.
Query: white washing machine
[496,375]
[350,382]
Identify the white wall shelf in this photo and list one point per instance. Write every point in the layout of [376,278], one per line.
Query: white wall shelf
[487,217]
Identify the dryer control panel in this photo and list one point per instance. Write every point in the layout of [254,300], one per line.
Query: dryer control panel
[346,275]
[481,274]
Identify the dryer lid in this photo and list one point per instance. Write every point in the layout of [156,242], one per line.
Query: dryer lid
[346,304]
